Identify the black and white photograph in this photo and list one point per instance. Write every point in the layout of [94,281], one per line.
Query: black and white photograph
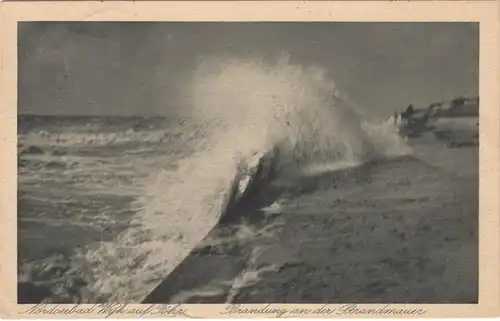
[247,162]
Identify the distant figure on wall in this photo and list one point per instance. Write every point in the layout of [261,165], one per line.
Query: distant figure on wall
[396,116]
[408,114]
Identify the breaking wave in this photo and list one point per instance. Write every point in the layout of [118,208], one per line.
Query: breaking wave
[243,110]
[44,138]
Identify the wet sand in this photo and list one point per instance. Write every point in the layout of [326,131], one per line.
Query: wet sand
[401,231]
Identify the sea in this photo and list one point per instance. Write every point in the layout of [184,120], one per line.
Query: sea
[109,206]
[81,181]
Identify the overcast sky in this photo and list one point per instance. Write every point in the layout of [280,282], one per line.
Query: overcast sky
[136,68]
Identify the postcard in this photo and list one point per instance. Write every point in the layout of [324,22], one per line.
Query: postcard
[249,159]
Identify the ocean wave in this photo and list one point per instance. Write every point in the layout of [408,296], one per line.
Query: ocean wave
[255,122]
[69,139]
[33,150]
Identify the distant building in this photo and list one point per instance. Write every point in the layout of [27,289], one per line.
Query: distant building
[463,107]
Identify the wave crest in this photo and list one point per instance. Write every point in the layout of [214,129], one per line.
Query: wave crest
[243,111]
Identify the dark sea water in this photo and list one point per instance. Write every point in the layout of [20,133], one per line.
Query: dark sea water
[79,182]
